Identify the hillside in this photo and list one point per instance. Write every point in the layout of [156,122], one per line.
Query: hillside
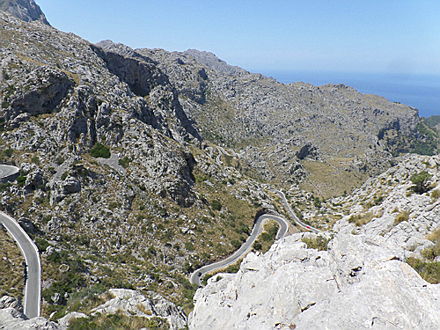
[161,204]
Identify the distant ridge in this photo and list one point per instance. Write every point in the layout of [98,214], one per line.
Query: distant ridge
[26,10]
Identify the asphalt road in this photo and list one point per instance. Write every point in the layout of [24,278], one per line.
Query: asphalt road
[293,215]
[282,231]
[32,293]
[7,171]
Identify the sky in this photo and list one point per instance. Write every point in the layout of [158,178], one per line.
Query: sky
[386,36]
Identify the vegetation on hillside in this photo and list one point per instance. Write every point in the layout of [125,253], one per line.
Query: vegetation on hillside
[100,151]
[421,182]
[429,269]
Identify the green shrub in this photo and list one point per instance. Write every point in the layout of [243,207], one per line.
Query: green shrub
[124,162]
[317,202]
[41,243]
[258,246]
[100,151]
[420,181]
[21,180]
[4,186]
[236,243]
[216,205]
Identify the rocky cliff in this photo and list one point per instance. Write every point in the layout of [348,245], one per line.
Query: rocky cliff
[26,10]
[358,277]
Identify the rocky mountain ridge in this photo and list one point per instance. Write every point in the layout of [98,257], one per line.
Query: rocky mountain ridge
[26,10]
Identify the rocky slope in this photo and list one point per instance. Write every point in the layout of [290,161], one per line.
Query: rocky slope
[272,125]
[26,10]
[359,279]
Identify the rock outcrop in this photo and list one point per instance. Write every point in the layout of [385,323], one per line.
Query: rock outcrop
[132,303]
[26,10]
[12,317]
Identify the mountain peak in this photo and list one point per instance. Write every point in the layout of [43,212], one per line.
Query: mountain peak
[213,62]
[26,10]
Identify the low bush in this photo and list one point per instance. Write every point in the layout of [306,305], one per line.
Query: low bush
[124,162]
[319,243]
[216,205]
[420,181]
[429,271]
[100,151]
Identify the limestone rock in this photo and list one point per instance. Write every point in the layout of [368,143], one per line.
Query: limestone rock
[133,303]
[12,319]
[359,283]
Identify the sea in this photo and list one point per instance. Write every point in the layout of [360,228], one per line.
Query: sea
[419,91]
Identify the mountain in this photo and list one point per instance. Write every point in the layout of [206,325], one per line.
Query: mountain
[26,10]
[328,138]
[433,122]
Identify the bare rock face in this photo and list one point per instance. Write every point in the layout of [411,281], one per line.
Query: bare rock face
[308,151]
[39,92]
[361,282]
[26,10]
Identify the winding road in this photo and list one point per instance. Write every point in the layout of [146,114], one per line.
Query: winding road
[32,291]
[293,215]
[282,231]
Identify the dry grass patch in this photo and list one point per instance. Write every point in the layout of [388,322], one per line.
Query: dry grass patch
[319,243]
[402,216]
[435,195]
[11,266]
[361,218]
[434,236]
[328,179]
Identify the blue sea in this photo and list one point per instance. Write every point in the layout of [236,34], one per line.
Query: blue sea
[420,91]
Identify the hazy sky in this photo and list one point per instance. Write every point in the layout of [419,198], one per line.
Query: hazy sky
[400,36]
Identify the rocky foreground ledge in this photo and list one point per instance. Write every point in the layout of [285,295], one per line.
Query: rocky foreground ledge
[359,280]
